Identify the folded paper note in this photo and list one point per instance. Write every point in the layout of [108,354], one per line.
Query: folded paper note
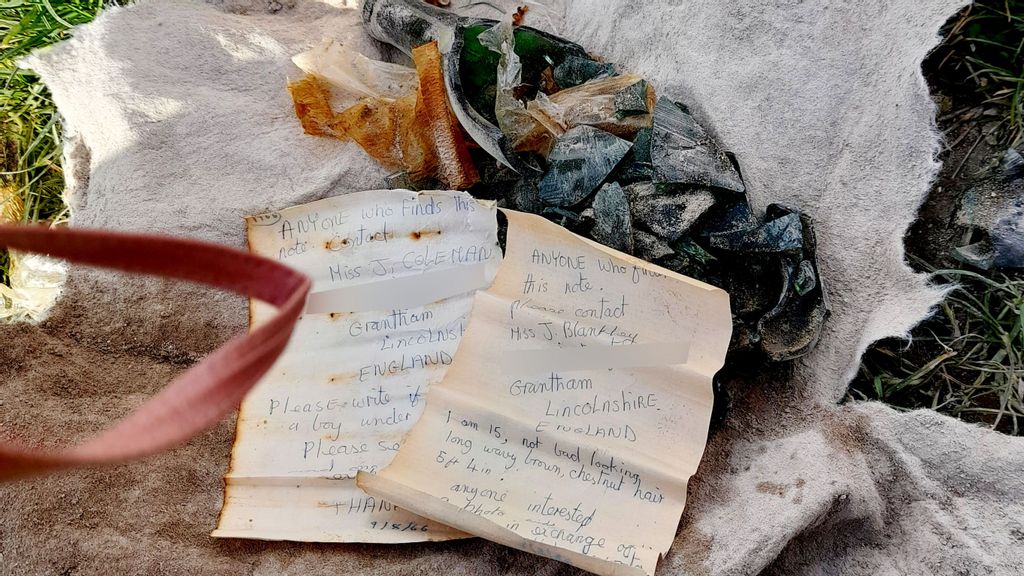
[576,409]
[564,415]
[393,276]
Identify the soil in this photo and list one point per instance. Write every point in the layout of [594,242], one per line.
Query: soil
[971,151]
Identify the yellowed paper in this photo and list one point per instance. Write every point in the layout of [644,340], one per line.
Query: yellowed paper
[355,375]
[586,463]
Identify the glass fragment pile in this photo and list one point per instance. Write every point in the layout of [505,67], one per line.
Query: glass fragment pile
[533,121]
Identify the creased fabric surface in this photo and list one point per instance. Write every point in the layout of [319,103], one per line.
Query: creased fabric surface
[181,124]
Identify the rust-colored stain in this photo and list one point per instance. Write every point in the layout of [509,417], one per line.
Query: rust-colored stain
[337,315]
[799,497]
[520,13]
[773,488]
[342,377]
[419,234]
[337,244]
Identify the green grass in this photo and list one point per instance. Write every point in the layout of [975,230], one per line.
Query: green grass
[967,361]
[30,162]
[982,56]
[4,265]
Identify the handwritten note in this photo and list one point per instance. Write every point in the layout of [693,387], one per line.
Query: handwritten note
[393,275]
[576,409]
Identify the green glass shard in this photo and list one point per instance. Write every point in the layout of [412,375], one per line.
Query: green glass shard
[575,70]
[792,327]
[668,212]
[612,226]
[783,234]
[650,247]
[806,279]
[560,215]
[632,100]
[579,161]
[689,249]
[683,153]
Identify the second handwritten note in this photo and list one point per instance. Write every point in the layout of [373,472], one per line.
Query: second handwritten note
[576,409]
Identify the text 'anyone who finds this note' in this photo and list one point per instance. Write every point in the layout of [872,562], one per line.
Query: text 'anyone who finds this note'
[577,407]
[393,276]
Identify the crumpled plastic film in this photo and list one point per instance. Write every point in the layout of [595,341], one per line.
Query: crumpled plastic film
[593,104]
[416,132]
[513,119]
[349,71]
[35,280]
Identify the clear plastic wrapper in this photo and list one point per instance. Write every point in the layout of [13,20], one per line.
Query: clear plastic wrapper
[593,104]
[415,131]
[346,70]
[515,122]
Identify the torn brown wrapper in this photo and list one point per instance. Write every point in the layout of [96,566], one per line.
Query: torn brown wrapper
[386,130]
[311,97]
[417,132]
[436,122]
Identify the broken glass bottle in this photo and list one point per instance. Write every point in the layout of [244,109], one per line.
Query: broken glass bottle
[607,158]
[470,68]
